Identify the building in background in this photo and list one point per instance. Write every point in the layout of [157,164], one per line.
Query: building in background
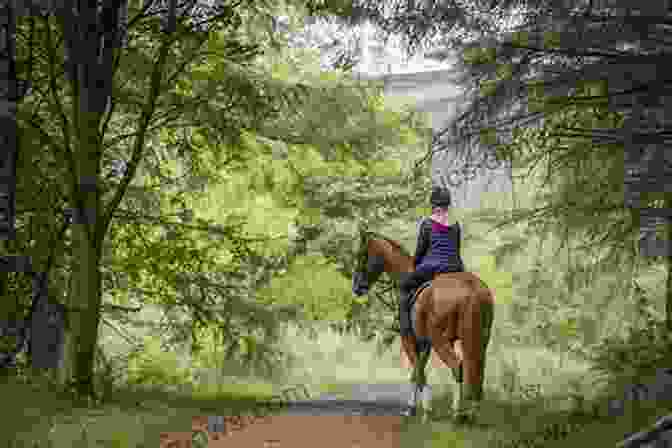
[431,88]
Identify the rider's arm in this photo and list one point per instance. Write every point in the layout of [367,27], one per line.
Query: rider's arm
[458,244]
[424,240]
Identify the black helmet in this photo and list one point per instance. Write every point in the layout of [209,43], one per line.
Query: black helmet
[440,197]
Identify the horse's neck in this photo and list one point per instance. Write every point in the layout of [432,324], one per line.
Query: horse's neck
[395,261]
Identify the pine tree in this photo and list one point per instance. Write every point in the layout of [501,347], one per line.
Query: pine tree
[579,87]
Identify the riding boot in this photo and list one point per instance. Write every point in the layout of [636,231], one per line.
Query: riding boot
[405,326]
[423,345]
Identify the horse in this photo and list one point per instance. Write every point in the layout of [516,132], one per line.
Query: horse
[455,311]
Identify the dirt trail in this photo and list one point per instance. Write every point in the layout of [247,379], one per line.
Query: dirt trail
[309,431]
[370,417]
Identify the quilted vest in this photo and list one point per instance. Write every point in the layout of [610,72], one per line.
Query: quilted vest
[444,253]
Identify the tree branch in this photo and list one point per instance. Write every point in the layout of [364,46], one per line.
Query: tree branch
[142,127]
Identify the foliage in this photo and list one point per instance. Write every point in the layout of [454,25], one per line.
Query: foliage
[166,242]
[268,190]
[322,185]
[425,25]
[550,82]
[311,282]
[156,368]
[338,44]
[642,347]
[142,86]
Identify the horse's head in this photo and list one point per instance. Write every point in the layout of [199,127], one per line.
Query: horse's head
[376,255]
[369,264]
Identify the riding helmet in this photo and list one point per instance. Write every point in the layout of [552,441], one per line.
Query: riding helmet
[440,197]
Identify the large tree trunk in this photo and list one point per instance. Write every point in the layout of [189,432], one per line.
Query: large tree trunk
[89,67]
[86,284]
[668,258]
[86,296]
[8,106]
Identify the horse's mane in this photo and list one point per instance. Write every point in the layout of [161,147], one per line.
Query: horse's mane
[394,243]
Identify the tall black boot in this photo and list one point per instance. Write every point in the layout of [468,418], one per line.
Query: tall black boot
[405,326]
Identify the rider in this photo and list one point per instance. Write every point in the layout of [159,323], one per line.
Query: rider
[444,240]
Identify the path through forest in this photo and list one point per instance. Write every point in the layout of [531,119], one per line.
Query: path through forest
[368,416]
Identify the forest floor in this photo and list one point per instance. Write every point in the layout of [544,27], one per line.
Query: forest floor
[350,384]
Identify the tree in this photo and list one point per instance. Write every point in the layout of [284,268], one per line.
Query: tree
[75,125]
[164,106]
[333,166]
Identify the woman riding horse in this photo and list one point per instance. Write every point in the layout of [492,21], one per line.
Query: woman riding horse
[444,240]
[453,316]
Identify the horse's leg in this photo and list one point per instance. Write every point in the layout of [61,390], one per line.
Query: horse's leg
[408,345]
[419,381]
[422,387]
[423,358]
[478,324]
[450,351]
[423,350]
[416,381]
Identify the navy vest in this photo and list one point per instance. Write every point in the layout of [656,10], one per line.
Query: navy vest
[444,253]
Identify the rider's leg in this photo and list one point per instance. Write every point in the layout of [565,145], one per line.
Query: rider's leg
[419,347]
[405,327]
[423,341]
[407,286]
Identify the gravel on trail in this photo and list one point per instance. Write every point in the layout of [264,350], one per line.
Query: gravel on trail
[363,399]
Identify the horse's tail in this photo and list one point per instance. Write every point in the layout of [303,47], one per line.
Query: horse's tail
[476,324]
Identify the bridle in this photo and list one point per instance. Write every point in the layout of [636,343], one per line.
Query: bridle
[362,253]
[367,270]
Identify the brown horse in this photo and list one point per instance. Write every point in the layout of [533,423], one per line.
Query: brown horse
[455,312]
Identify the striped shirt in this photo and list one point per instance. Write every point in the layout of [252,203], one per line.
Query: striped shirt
[444,253]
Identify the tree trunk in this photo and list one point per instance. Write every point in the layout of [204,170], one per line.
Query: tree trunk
[84,331]
[668,259]
[86,292]
[8,128]
[89,68]
[66,369]
[8,142]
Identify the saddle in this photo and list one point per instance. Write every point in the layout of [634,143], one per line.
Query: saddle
[417,292]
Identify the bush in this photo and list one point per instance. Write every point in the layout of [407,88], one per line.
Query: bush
[640,352]
[155,367]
